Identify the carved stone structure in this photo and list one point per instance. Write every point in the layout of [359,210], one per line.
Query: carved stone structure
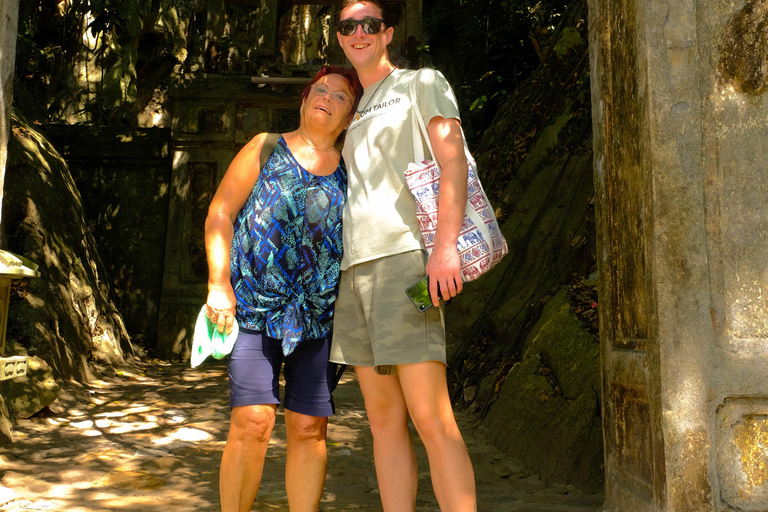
[680,136]
[217,113]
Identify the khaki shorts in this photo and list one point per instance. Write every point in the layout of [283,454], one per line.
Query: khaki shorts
[376,324]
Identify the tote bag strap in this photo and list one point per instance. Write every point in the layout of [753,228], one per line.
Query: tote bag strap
[419,130]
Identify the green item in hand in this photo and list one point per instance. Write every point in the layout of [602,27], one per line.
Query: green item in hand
[208,341]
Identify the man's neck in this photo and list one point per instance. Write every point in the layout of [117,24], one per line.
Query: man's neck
[369,77]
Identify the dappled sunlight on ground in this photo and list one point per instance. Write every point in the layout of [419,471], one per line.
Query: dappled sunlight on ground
[123,444]
[150,440]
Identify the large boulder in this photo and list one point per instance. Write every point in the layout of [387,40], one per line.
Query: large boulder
[535,163]
[511,369]
[6,428]
[66,317]
[547,415]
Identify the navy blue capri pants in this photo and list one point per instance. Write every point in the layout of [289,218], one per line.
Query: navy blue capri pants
[254,372]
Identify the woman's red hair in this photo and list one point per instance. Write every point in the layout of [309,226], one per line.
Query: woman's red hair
[348,74]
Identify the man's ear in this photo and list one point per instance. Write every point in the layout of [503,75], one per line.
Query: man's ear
[390,32]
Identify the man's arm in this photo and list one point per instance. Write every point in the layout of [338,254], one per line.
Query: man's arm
[443,266]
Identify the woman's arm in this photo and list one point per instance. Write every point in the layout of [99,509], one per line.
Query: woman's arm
[229,199]
[444,266]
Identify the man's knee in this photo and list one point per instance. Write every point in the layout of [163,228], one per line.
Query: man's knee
[430,424]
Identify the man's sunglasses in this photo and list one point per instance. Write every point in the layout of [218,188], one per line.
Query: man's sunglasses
[370,26]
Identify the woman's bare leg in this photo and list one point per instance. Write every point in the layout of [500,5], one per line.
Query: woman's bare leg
[306,461]
[243,460]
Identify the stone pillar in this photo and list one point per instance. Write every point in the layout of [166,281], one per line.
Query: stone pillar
[9,22]
[681,176]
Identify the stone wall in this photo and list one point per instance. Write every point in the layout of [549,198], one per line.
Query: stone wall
[680,110]
[123,177]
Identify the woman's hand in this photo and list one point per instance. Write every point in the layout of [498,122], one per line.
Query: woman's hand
[220,307]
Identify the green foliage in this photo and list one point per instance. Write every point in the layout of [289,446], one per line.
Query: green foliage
[568,40]
[114,17]
[488,48]
[480,102]
[92,59]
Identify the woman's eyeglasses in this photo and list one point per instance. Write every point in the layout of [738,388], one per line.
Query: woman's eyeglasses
[370,26]
[322,90]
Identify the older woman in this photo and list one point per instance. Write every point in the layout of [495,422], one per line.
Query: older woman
[273,239]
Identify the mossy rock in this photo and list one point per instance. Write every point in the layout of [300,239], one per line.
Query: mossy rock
[26,395]
[547,415]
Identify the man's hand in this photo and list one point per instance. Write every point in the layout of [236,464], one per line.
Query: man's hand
[220,307]
[444,269]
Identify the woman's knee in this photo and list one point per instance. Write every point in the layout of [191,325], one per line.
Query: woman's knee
[253,422]
[303,428]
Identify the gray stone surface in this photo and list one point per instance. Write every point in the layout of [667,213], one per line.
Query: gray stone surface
[680,134]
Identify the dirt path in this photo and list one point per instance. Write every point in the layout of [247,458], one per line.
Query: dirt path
[151,441]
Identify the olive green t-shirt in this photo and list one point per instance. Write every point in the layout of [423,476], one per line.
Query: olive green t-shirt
[380,214]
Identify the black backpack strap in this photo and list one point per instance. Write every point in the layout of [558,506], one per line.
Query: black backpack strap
[269,146]
[339,372]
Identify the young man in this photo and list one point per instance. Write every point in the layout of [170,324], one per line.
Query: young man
[398,352]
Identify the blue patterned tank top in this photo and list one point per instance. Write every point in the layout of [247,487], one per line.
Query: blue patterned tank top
[287,249]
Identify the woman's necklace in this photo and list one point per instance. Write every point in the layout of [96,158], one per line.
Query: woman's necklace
[360,112]
[312,147]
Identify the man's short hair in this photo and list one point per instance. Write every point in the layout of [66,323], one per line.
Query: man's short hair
[390,17]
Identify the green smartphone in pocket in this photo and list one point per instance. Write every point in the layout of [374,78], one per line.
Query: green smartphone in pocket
[418,292]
